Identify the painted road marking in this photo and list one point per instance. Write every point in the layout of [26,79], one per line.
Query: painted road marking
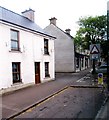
[81,80]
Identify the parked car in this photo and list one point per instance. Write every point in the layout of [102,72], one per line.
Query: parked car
[102,69]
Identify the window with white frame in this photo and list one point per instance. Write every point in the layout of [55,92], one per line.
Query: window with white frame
[14,40]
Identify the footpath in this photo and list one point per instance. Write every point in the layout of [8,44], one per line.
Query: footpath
[103,113]
[17,101]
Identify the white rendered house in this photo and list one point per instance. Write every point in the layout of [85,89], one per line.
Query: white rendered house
[26,51]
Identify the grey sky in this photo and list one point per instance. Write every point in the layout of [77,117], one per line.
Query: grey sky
[67,12]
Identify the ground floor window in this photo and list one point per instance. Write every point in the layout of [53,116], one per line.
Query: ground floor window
[16,72]
[47,69]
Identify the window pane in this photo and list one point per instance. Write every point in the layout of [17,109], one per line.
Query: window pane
[16,77]
[14,35]
[14,68]
[14,45]
[46,43]
[46,51]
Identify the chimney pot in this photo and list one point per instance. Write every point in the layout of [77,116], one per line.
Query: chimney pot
[68,31]
[29,14]
[53,21]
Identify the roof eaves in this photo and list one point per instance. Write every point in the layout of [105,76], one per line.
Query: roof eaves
[29,29]
[34,28]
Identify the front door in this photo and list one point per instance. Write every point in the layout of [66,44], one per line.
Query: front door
[37,72]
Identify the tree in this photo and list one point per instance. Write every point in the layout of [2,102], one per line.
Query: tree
[92,30]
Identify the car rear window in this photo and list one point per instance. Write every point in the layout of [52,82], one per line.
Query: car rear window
[104,66]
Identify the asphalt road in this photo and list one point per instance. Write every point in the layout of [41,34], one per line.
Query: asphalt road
[17,101]
[72,102]
[69,103]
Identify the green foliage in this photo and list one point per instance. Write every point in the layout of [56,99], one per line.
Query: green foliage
[92,30]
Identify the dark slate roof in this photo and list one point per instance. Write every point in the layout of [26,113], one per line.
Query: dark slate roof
[21,21]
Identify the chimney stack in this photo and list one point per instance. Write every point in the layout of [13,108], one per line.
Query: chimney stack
[53,21]
[29,14]
[68,31]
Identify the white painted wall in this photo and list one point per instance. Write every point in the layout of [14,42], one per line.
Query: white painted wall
[32,47]
[38,43]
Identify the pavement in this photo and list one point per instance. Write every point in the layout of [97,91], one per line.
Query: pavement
[103,113]
[17,101]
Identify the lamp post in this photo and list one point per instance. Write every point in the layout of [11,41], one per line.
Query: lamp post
[108,45]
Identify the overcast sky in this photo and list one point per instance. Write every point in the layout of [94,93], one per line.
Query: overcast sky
[67,12]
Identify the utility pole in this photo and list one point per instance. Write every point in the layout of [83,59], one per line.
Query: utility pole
[93,66]
[108,45]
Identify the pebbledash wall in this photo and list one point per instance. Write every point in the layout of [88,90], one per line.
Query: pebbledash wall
[31,51]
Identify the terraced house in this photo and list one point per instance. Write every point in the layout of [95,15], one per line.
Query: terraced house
[26,51]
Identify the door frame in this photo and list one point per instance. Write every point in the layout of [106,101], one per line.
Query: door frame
[37,72]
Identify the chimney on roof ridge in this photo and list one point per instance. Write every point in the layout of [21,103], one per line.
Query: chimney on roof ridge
[53,21]
[29,14]
[68,31]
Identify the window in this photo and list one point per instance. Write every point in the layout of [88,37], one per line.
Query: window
[47,69]
[46,46]
[14,40]
[16,72]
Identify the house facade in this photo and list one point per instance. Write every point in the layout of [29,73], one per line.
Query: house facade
[82,61]
[64,48]
[26,51]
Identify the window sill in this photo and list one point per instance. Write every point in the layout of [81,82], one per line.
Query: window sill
[15,51]
[47,54]
[47,77]
[17,83]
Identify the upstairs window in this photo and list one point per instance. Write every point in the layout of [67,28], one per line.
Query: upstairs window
[46,46]
[14,40]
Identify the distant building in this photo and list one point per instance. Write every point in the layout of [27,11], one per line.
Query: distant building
[26,51]
[64,48]
[82,58]
[82,61]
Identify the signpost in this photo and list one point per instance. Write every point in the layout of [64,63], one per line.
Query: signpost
[95,51]
[94,54]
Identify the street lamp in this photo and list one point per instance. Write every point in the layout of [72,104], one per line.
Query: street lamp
[108,45]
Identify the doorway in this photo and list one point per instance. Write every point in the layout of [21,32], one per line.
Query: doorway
[37,72]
